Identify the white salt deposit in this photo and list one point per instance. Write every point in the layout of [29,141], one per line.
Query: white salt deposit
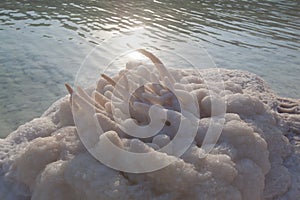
[256,157]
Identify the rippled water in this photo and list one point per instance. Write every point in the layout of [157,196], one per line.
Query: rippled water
[43,43]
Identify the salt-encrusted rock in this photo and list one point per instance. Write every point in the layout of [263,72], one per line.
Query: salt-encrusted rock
[256,157]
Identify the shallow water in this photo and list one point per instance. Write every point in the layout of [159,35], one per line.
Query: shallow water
[43,43]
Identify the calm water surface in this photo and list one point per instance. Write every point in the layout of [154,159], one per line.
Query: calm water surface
[43,42]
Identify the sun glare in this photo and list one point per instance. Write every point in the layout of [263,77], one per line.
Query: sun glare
[136,55]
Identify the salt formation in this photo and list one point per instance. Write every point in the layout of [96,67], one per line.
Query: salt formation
[256,157]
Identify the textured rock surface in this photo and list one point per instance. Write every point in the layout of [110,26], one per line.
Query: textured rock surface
[256,157]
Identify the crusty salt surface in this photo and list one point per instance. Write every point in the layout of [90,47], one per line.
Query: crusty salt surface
[256,157]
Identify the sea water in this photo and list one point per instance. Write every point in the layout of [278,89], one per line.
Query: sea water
[44,43]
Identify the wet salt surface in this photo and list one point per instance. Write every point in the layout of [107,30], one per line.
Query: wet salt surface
[44,43]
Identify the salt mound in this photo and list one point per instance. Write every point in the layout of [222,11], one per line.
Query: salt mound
[256,157]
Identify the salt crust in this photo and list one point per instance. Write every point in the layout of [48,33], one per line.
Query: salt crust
[256,157]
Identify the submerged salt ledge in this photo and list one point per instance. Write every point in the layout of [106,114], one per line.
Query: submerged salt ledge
[256,157]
